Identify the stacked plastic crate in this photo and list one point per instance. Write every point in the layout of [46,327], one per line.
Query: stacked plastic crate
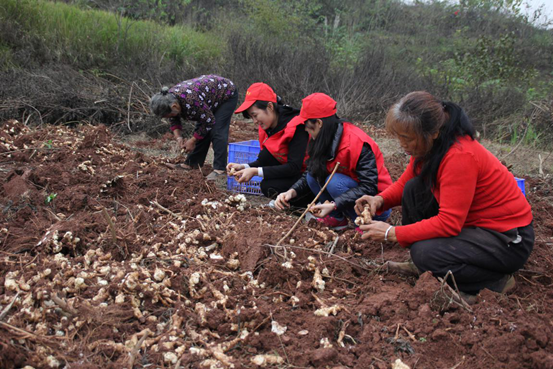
[242,153]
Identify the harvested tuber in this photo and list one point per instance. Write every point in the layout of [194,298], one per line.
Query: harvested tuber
[365,217]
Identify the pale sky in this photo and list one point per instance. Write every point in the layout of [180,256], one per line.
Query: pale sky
[548,7]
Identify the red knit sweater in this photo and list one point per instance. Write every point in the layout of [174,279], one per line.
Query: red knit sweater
[472,188]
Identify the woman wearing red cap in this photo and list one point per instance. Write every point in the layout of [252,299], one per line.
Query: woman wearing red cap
[361,170]
[282,139]
[462,209]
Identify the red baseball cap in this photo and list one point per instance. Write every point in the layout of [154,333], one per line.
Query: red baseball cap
[257,92]
[317,105]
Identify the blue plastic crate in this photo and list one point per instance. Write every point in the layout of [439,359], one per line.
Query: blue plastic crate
[242,153]
[520,183]
[252,187]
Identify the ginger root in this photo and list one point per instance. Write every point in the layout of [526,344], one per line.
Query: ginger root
[365,217]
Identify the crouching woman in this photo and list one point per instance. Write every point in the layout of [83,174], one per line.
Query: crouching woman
[283,143]
[462,209]
[361,170]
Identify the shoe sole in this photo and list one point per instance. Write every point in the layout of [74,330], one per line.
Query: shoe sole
[339,228]
[402,268]
[509,285]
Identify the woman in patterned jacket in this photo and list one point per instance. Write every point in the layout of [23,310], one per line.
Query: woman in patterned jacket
[209,100]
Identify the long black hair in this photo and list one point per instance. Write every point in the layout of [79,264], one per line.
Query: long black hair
[320,149]
[425,115]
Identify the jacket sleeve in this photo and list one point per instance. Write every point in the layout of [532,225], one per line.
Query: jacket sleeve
[301,185]
[263,158]
[392,195]
[175,123]
[367,174]
[296,155]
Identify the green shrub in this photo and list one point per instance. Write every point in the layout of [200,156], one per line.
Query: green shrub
[93,38]
[6,57]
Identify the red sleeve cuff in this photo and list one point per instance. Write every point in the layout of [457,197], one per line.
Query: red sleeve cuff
[175,127]
[198,137]
[399,236]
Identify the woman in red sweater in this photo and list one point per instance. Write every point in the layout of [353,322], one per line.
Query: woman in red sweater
[462,209]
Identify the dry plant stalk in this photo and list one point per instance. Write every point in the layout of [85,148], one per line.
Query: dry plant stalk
[455,294]
[129,109]
[342,334]
[397,331]
[309,206]
[178,216]
[111,225]
[134,352]
[64,305]
[459,363]
[411,335]
[8,307]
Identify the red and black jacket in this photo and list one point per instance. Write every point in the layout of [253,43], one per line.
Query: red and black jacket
[283,149]
[349,151]
[278,144]
[360,158]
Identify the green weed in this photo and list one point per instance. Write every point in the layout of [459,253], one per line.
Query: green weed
[50,198]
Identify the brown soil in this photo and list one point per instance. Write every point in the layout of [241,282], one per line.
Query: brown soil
[113,260]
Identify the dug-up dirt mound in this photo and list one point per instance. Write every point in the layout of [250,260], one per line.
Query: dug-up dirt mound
[110,259]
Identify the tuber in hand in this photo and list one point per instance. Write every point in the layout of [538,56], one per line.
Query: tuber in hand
[365,217]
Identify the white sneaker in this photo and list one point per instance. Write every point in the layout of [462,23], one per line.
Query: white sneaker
[308,216]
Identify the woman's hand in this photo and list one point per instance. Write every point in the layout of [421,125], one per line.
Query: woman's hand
[190,144]
[245,175]
[374,203]
[283,200]
[232,168]
[376,231]
[180,143]
[322,210]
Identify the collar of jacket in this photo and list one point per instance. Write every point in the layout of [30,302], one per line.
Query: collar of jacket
[336,141]
[286,113]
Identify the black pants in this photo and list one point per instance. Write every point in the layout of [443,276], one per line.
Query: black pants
[478,257]
[218,135]
[272,187]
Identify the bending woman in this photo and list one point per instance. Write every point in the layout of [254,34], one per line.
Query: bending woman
[361,170]
[283,142]
[209,101]
[462,209]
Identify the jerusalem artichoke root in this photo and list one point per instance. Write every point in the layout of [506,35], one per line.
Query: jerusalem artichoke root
[365,217]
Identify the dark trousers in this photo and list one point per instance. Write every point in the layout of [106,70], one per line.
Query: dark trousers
[478,257]
[218,135]
[272,187]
